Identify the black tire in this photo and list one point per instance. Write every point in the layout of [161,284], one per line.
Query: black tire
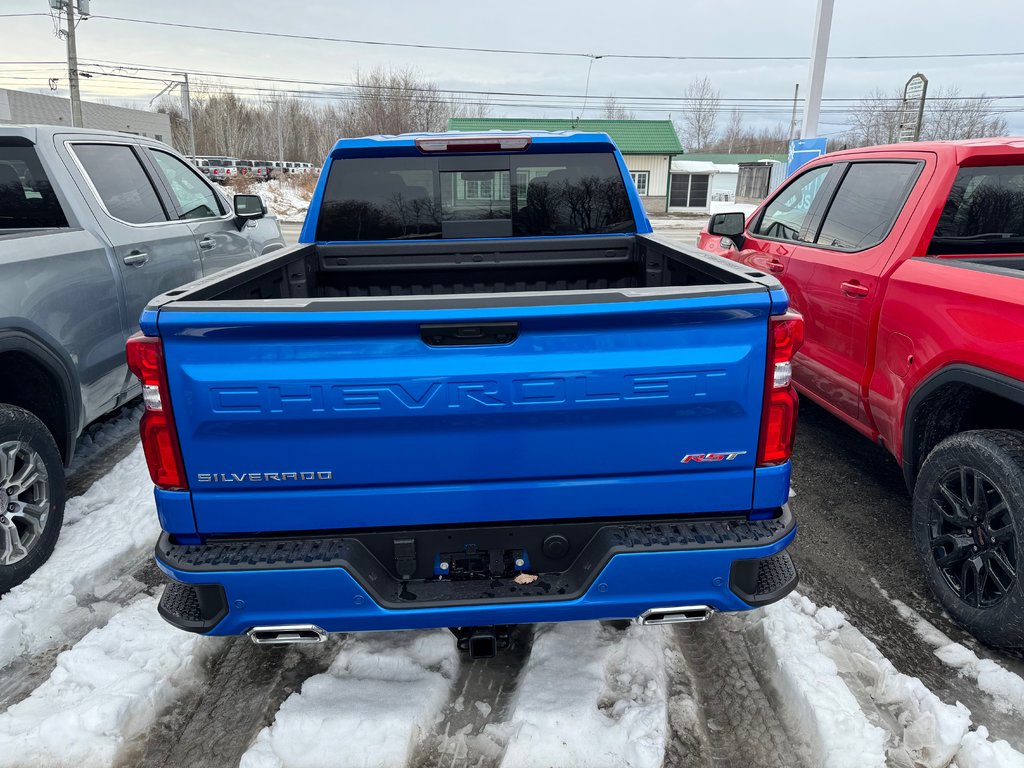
[968,525]
[19,426]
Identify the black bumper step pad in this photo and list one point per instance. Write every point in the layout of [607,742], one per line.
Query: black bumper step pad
[192,607]
[324,551]
[765,580]
[368,556]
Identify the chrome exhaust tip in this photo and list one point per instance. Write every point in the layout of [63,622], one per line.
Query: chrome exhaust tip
[680,614]
[287,634]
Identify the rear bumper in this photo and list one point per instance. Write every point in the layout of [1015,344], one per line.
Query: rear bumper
[336,583]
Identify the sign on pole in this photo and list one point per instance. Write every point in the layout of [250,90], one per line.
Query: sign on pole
[912,108]
[803,151]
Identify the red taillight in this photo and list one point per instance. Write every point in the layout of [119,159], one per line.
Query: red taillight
[216,171]
[474,144]
[778,415]
[159,438]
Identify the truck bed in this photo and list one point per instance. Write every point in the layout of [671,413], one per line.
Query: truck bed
[467,268]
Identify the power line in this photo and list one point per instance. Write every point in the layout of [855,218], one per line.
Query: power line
[528,52]
[726,102]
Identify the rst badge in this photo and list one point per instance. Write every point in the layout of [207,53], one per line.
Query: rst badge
[706,458]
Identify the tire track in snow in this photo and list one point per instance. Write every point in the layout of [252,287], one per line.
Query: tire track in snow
[102,445]
[739,720]
[379,699]
[214,725]
[481,695]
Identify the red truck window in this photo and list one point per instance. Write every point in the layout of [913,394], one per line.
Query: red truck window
[863,210]
[783,218]
[984,213]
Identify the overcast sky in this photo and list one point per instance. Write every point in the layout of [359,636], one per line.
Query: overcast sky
[679,27]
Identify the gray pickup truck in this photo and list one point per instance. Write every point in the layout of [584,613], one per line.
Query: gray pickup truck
[92,225]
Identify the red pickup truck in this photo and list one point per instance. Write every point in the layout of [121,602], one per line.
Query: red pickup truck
[907,263]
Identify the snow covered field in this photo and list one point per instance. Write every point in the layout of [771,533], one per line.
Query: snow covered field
[91,676]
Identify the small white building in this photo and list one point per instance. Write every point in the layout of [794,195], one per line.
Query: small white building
[700,179]
[696,183]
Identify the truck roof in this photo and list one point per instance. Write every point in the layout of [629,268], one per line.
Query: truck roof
[37,133]
[958,151]
[407,141]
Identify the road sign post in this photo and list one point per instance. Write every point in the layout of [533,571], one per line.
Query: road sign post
[912,108]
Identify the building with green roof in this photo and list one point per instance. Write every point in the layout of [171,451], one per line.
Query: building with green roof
[647,146]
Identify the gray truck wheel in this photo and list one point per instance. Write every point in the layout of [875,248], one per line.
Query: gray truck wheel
[969,531]
[32,495]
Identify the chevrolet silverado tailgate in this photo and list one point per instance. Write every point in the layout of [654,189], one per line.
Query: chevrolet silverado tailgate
[297,420]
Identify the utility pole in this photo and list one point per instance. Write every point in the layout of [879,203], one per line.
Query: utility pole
[186,108]
[76,96]
[819,55]
[792,120]
[280,134]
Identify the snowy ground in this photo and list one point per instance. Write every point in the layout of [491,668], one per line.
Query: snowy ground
[287,198]
[859,669]
[91,676]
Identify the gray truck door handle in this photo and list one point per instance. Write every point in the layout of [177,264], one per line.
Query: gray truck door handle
[136,258]
[207,243]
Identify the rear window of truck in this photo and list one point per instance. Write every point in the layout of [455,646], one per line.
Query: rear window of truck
[984,213]
[27,200]
[495,196]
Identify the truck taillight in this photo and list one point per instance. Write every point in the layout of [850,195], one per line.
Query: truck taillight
[159,438]
[778,415]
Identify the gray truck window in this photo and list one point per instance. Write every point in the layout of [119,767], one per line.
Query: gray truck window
[122,184]
[866,205]
[27,200]
[984,212]
[195,198]
[783,218]
[531,195]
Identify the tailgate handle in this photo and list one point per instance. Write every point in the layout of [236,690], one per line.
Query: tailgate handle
[469,334]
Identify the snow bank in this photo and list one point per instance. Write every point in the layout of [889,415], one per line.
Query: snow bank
[816,649]
[116,524]
[590,696]
[813,692]
[371,708]
[978,752]
[1005,687]
[286,198]
[106,690]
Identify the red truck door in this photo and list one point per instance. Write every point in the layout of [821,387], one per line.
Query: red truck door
[839,271]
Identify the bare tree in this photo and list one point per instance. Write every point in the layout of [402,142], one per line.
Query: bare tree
[382,101]
[613,110]
[767,139]
[733,131]
[948,116]
[876,119]
[698,122]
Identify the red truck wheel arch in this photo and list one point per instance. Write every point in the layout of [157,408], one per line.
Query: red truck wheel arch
[916,412]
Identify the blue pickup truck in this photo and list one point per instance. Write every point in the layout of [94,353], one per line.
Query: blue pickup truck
[478,393]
